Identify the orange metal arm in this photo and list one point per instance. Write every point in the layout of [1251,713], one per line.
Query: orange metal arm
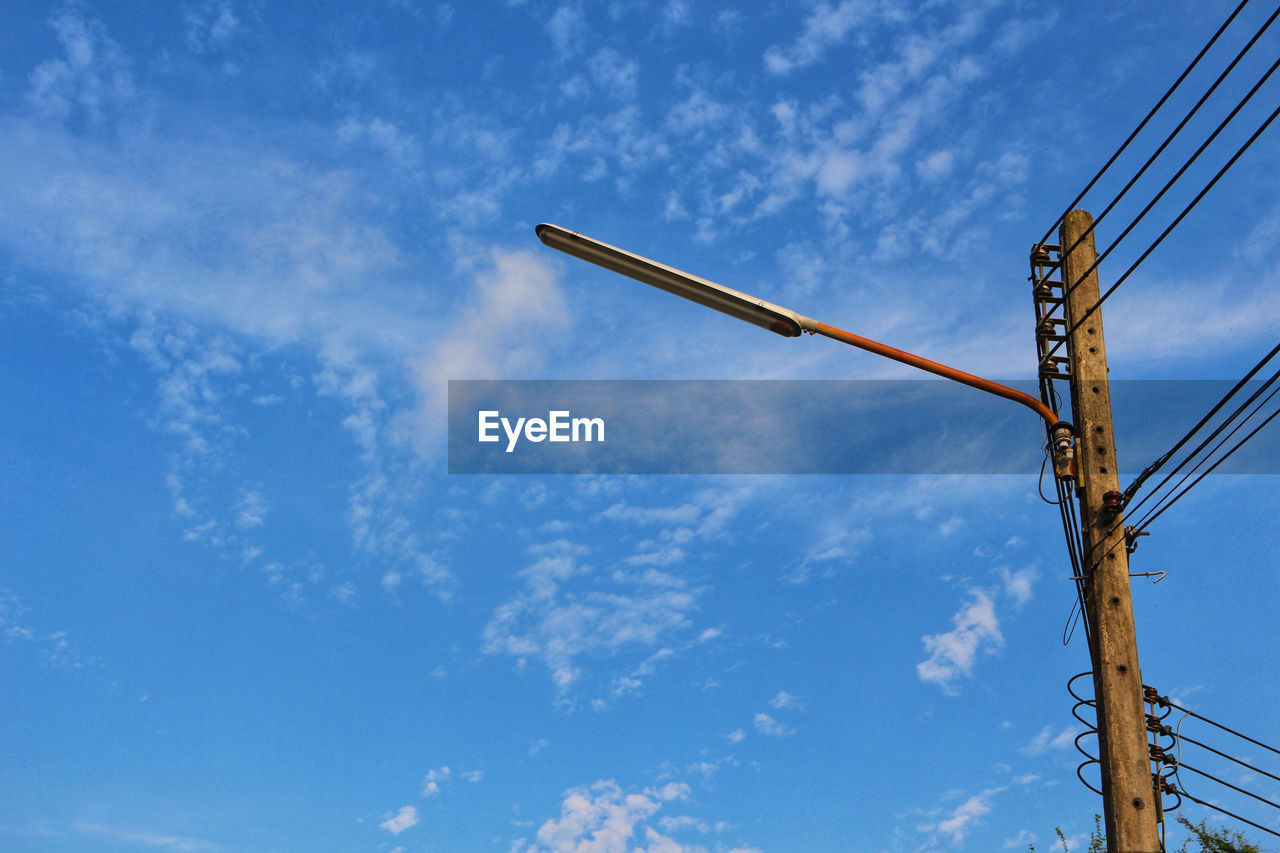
[940,369]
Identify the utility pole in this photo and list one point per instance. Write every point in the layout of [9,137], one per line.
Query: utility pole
[1127,790]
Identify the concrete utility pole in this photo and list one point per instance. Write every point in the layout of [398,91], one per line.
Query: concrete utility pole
[1127,790]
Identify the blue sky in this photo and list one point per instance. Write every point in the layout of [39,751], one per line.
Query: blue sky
[245,245]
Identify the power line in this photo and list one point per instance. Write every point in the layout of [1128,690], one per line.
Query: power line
[1211,437]
[1182,737]
[1200,195]
[1178,220]
[1176,765]
[1153,515]
[1168,454]
[1154,697]
[1167,140]
[1201,446]
[1134,133]
[1211,777]
[1195,799]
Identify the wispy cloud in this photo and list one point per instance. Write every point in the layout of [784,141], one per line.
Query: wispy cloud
[1019,584]
[826,26]
[1046,740]
[963,818]
[606,817]
[406,818]
[91,83]
[547,622]
[147,838]
[786,700]
[951,654]
[769,727]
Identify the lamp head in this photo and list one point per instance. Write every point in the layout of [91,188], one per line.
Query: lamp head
[775,318]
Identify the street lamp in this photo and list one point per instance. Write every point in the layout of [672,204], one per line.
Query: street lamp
[788,323]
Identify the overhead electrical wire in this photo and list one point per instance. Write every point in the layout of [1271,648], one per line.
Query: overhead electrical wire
[1198,458]
[1167,140]
[1182,737]
[1071,530]
[1067,510]
[1195,799]
[1167,501]
[1142,124]
[1177,221]
[1155,699]
[1164,700]
[1155,466]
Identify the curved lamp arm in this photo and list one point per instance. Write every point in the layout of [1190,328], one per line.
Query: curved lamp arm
[775,318]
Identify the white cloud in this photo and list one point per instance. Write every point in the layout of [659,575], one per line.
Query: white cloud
[1047,740]
[1023,840]
[826,26]
[675,14]
[147,838]
[786,700]
[951,655]
[936,165]
[768,726]
[605,818]
[1018,584]
[251,510]
[736,736]
[547,621]
[613,74]
[567,29]
[212,27]
[345,593]
[400,147]
[94,81]
[502,331]
[406,818]
[965,816]
[434,778]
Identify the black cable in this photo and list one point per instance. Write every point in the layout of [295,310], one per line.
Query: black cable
[1200,195]
[1213,778]
[1076,547]
[1201,446]
[1143,123]
[1158,463]
[1227,813]
[1147,519]
[1040,483]
[1229,757]
[1152,517]
[1160,507]
[1170,137]
[1227,729]
[1168,184]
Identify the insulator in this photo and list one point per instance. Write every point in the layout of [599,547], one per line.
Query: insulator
[1040,254]
[1112,503]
